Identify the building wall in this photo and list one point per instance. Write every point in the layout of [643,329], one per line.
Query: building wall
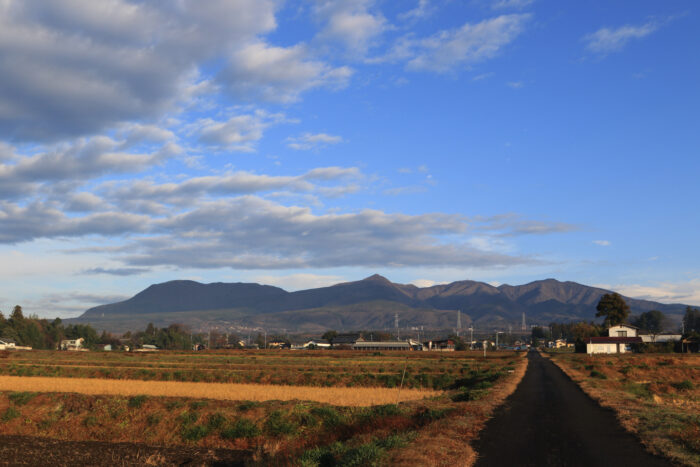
[604,348]
[631,332]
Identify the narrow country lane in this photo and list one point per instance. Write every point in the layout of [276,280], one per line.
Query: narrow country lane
[550,421]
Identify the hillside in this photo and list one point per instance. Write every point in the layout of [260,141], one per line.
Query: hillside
[370,303]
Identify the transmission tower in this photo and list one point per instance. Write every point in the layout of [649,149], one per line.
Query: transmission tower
[523,327]
[459,321]
[396,325]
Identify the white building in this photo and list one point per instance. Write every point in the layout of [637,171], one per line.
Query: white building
[6,344]
[73,344]
[623,330]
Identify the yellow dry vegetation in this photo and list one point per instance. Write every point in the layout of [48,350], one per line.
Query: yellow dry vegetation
[343,396]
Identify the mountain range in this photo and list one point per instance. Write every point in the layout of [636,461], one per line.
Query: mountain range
[371,303]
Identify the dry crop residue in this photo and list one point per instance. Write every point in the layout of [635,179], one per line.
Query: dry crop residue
[358,397]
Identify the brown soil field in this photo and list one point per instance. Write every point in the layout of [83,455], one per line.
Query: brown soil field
[655,396]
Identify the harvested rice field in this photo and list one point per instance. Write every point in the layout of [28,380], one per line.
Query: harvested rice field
[341,396]
[260,407]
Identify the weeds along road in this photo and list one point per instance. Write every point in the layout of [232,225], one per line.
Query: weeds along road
[550,421]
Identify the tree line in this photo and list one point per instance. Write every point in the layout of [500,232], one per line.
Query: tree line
[41,333]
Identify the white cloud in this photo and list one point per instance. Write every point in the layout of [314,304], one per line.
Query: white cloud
[351,23]
[607,40]
[421,10]
[515,4]
[422,283]
[76,67]
[405,190]
[239,132]
[278,74]
[79,160]
[664,292]
[464,46]
[300,281]
[189,191]
[309,141]
[515,84]
[602,242]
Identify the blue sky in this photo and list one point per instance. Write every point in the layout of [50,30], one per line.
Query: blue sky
[306,143]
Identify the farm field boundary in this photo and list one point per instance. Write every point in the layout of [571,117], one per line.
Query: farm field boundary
[339,396]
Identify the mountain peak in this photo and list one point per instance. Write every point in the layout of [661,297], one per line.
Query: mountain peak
[377,278]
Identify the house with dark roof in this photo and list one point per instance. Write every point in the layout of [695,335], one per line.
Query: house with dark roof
[346,341]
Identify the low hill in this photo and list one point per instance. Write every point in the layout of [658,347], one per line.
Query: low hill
[370,303]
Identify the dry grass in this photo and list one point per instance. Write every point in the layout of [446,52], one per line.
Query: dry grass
[655,396]
[339,396]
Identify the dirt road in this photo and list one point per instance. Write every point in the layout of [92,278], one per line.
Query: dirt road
[549,421]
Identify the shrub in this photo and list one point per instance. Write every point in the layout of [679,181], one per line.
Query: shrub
[10,414]
[329,416]
[21,398]
[277,425]
[196,405]
[598,374]
[188,418]
[365,455]
[216,421]
[174,404]
[466,395]
[135,402]
[640,390]
[194,432]
[686,385]
[153,419]
[90,421]
[428,415]
[386,410]
[241,428]
[247,405]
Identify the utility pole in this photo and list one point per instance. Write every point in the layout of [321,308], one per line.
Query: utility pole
[459,321]
[396,325]
[471,337]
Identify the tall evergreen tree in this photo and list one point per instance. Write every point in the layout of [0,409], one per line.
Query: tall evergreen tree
[614,308]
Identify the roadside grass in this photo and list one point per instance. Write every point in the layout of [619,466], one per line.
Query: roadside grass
[654,395]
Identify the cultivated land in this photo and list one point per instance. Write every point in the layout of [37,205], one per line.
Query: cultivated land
[655,396]
[453,395]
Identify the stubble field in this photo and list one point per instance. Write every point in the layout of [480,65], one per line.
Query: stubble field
[339,407]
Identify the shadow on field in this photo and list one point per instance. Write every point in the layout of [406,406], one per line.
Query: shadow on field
[25,450]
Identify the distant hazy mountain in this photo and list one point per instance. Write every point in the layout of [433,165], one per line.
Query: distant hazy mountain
[367,304]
